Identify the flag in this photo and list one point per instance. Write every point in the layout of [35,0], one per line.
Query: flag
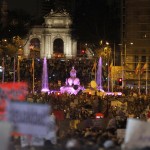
[110,67]
[3,63]
[32,66]
[137,69]
[94,66]
[18,68]
[144,68]
[3,69]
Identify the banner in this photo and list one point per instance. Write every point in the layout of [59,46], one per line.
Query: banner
[137,68]
[110,69]
[5,129]
[11,91]
[29,119]
[137,134]
[94,66]
[144,68]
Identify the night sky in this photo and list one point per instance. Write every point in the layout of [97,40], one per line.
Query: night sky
[27,5]
[98,17]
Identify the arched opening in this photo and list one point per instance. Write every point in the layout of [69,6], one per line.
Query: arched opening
[58,48]
[34,47]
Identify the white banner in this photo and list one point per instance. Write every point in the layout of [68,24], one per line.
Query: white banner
[137,134]
[5,129]
[29,119]
[31,141]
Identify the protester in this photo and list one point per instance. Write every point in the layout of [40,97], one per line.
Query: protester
[75,114]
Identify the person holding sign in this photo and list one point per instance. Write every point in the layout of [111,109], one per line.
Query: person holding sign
[51,139]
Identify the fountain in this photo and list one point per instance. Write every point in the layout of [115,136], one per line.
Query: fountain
[99,76]
[96,86]
[45,87]
[72,84]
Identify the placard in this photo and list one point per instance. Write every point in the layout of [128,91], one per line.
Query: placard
[30,119]
[5,129]
[137,134]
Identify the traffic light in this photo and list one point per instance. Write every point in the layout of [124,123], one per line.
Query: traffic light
[120,81]
[83,51]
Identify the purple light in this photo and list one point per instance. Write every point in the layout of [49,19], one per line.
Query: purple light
[45,90]
[113,93]
[99,74]
[45,87]
[72,84]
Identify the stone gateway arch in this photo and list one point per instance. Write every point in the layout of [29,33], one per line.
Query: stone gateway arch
[53,38]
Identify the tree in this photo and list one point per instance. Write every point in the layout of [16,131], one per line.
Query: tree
[11,36]
[18,25]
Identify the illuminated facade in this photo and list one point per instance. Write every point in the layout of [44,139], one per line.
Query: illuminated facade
[53,38]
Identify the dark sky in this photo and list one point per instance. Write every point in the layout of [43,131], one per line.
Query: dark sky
[27,5]
[98,18]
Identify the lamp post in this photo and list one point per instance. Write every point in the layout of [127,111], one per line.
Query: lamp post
[106,54]
[33,81]
[18,68]
[14,69]
[123,65]
[107,50]
[3,66]
[123,61]
[122,69]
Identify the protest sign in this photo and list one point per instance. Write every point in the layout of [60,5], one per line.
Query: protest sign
[51,134]
[5,129]
[137,134]
[29,119]
[11,91]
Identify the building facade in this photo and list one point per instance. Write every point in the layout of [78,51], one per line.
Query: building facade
[135,33]
[53,38]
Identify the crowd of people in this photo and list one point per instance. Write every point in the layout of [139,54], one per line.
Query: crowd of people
[75,114]
[58,69]
[85,105]
[83,108]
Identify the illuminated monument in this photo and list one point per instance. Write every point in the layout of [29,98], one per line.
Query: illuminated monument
[72,84]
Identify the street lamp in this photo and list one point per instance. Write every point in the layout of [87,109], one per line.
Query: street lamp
[123,60]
